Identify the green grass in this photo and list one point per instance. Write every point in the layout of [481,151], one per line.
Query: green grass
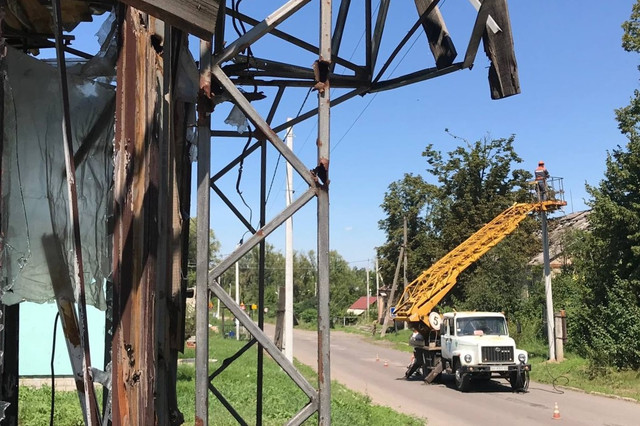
[281,397]
[34,407]
[577,373]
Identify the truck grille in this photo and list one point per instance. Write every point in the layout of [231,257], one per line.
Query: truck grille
[497,354]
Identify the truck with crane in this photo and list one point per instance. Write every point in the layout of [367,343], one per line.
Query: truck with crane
[471,345]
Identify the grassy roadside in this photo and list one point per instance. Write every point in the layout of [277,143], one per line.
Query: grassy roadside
[281,397]
[578,373]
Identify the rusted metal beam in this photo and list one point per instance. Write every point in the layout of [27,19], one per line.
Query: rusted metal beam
[92,415]
[357,69]
[233,208]
[261,234]
[263,339]
[341,21]
[296,120]
[262,250]
[259,30]
[253,116]
[321,175]
[479,28]
[421,21]
[376,39]
[202,243]
[63,292]
[10,339]
[414,77]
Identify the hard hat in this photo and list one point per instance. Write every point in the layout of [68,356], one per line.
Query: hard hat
[540,163]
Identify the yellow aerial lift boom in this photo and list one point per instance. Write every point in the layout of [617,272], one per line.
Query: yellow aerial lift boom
[425,292]
[468,344]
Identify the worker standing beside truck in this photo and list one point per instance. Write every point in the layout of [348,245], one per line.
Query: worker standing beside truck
[417,360]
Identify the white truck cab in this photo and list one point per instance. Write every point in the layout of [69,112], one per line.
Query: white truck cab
[477,345]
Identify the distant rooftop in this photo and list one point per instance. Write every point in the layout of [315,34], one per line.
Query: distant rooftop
[558,228]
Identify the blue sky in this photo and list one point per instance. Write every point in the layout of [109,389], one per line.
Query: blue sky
[573,74]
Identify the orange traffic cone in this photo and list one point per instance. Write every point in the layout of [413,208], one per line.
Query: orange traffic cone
[556,412]
[386,363]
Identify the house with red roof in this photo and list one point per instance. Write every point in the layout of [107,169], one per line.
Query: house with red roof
[360,305]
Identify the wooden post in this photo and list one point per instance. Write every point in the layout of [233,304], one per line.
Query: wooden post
[560,334]
[140,365]
[503,72]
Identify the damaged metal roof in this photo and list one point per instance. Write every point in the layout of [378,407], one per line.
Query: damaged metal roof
[28,24]
[559,229]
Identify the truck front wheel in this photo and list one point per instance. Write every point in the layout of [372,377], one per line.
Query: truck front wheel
[462,379]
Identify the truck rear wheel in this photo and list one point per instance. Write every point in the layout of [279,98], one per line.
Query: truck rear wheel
[462,379]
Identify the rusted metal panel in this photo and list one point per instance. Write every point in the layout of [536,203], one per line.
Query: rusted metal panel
[197,17]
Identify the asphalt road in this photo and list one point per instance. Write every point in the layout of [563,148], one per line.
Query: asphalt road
[378,372]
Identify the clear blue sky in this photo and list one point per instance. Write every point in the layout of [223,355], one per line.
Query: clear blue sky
[573,74]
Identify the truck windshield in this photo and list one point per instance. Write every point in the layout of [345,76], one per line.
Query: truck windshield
[481,326]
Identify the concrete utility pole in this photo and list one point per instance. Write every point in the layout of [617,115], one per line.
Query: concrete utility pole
[288,272]
[377,292]
[237,298]
[547,287]
[405,261]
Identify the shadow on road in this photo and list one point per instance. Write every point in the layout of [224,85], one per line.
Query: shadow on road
[477,385]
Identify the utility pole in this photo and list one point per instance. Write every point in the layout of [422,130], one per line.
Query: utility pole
[377,292]
[288,273]
[368,291]
[547,287]
[406,282]
[238,297]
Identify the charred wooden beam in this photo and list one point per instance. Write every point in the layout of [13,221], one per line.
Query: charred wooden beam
[197,17]
[440,41]
[503,72]
[139,366]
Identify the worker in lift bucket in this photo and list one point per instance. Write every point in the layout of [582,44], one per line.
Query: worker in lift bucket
[542,174]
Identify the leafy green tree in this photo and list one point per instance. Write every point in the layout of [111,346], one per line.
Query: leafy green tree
[476,181]
[274,276]
[411,198]
[214,251]
[347,284]
[608,326]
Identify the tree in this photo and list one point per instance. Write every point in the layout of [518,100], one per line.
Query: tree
[347,284]
[413,198]
[610,257]
[476,181]
[214,250]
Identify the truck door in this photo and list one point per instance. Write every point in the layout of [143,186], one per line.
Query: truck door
[446,338]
